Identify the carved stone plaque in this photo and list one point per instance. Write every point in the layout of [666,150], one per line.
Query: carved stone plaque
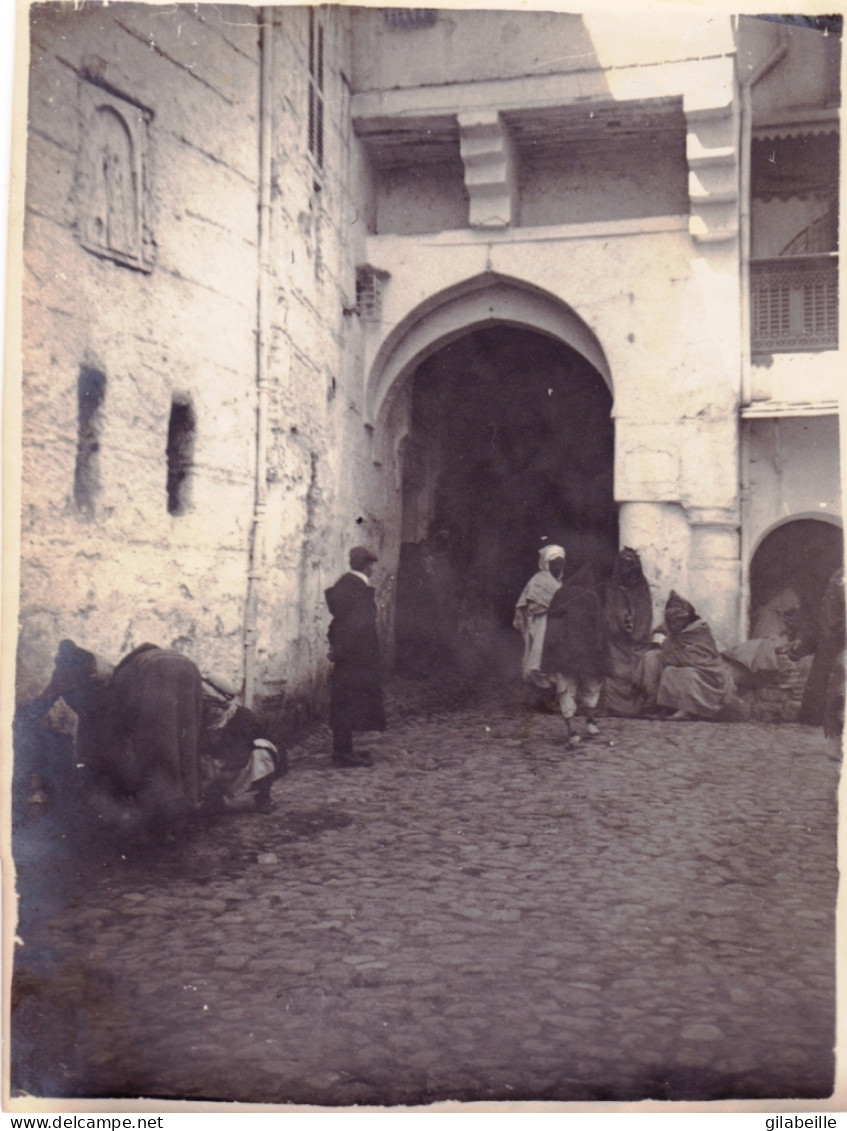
[111,186]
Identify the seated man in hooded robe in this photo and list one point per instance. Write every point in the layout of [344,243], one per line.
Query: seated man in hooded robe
[629,620]
[575,656]
[684,678]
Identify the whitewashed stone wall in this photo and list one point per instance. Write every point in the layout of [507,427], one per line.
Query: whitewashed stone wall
[128,571]
[792,472]
[182,322]
[321,498]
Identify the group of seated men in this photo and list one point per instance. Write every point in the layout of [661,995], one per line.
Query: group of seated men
[599,655]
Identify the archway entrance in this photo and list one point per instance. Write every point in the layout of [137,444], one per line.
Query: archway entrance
[511,445]
[788,575]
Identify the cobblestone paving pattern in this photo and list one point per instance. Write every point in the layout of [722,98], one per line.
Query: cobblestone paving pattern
[484,914]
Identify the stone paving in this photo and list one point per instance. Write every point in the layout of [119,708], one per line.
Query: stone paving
[482,915]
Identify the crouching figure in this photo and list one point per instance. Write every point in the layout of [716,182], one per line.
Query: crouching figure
[148,740]
[685,677]
[239,762]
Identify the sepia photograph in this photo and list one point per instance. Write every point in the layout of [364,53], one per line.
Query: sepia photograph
[424,619]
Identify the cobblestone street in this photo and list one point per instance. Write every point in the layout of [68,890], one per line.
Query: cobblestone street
[484,914]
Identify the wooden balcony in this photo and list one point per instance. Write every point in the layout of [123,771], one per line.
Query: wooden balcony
[794,304]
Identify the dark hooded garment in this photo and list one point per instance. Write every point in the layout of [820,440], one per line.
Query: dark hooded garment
[576,642]
[147,730]
[686,672]
[355,701]
[834,642]
[629,620]
[825,639]
[139,728]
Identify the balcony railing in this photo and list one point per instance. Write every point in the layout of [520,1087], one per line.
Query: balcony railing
[794,303]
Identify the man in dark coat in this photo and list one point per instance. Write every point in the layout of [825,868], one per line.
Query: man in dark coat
[355,701]
[576,650]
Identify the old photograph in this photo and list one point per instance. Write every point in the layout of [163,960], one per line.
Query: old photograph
[428,617]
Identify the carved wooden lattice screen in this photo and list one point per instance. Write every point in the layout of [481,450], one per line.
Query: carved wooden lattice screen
[795,304]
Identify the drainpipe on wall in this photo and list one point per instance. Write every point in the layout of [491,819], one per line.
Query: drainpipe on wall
[256,560]
[746,139]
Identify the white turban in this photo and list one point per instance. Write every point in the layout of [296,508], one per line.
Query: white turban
[549,554]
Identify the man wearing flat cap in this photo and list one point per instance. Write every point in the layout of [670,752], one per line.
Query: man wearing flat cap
[355,700]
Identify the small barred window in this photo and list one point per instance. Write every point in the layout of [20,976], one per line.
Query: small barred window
[369,284]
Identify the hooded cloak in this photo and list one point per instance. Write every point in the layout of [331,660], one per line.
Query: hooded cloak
[686,673]
[576,641]
[629,622]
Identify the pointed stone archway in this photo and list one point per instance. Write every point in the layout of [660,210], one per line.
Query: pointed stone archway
[495,403]
[485,300]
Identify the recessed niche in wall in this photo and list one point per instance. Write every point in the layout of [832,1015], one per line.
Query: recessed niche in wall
[111,184]
[180,455]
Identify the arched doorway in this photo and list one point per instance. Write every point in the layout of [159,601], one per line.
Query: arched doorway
[789,571]
[510,445]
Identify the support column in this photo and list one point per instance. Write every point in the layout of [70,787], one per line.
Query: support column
[715,571]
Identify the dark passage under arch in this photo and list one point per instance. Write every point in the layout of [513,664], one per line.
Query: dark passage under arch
[511,445]
[792,565]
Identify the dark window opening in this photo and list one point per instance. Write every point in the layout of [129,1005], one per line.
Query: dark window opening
[369,284]
[180,454]
[91,391]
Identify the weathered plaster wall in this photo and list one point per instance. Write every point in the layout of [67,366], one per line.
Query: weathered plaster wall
[322,497]
[793,471]
[474,46]
[465,46]
[806,78]
[419,198]
[130,571]
[798,378]
[612,182]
